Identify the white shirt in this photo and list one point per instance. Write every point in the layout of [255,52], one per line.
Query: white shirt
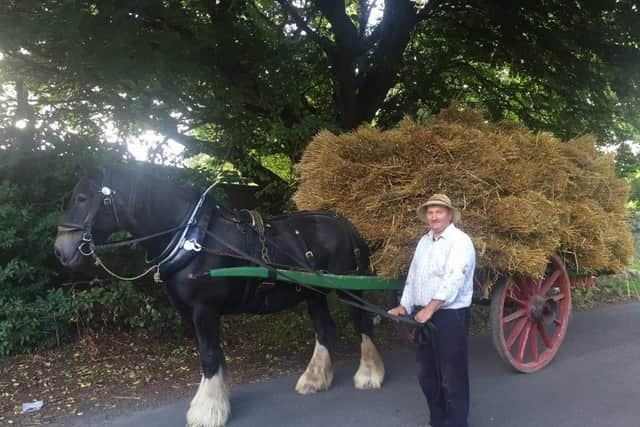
[441,269]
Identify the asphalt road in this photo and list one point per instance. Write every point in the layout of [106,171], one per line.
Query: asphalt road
[594,381]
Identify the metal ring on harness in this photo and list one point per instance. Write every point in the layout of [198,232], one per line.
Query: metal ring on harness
[88,243]
[192,245]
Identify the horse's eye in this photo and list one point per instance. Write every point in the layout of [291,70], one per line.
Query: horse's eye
[81,198]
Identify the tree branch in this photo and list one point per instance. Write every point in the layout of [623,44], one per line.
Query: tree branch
[346,33]
[363,17]
[324,43]
[428,9]
[397,24]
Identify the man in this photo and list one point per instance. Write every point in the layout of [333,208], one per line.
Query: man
[439,287]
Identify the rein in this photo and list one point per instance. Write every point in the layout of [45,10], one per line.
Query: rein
[130,242]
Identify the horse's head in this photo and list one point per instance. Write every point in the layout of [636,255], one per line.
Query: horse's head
[89,219]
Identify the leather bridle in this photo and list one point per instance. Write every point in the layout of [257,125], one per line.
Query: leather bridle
[107,198]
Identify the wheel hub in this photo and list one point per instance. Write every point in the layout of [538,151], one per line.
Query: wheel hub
[543,310]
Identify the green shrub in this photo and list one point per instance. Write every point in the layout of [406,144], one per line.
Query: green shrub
[26,326]
[123,305]
[48,321]
[27,231]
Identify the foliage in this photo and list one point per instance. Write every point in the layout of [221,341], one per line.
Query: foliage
[246,80]
[628,167]
[34,187]
[28,214]
[627,163]
[121,304]
[30,325]
[615,289]
[35,310]
[249,82]
[27,325]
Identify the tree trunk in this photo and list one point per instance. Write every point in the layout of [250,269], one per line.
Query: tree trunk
[365,68]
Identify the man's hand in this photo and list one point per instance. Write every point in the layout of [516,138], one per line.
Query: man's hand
[424,315]
[398,311]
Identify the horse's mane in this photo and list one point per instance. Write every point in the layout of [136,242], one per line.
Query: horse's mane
[152,177]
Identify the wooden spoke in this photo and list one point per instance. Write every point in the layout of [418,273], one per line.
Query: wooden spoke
[538,283]
[550,282]
[515,332]
[523,341]
[523,287]
[534,344]
[521,303]
[513,316]
[545,337]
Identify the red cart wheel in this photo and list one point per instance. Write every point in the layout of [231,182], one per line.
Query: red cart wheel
[529,317]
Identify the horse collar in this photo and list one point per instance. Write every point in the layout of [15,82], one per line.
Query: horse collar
[181,251]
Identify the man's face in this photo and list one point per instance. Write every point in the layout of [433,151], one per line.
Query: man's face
[438,218]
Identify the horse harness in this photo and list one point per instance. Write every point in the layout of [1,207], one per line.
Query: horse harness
[184,246]
[261,239]
[179,251]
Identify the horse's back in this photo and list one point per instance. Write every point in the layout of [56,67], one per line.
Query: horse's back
[334,243]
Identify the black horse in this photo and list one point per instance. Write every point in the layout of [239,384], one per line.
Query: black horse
[201,234]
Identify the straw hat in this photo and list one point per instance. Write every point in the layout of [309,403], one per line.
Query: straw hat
[438,200]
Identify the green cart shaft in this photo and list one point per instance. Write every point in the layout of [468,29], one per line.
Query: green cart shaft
[332,281]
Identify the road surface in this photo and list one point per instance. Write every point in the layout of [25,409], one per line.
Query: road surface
[594,381]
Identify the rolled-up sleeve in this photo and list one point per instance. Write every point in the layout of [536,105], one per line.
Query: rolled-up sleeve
[460,259]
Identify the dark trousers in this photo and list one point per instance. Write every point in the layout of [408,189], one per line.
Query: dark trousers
[443,367]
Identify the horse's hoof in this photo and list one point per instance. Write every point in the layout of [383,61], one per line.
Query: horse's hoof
[309,383]
[367,379]
[209,415]
[319,373]
[210,406]
[370,374]
[215,418]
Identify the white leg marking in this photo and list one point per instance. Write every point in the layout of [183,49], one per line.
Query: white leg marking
[370,374]
[319,373]
[210,406]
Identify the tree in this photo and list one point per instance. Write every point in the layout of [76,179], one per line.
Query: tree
[627,162]
[628,167]
[246,80]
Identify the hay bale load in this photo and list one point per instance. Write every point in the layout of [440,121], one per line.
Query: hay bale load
[523,195]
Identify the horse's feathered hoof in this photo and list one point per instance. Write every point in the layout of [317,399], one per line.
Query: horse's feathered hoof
[210,406]
[309,383]
[319,373]
[370,374]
